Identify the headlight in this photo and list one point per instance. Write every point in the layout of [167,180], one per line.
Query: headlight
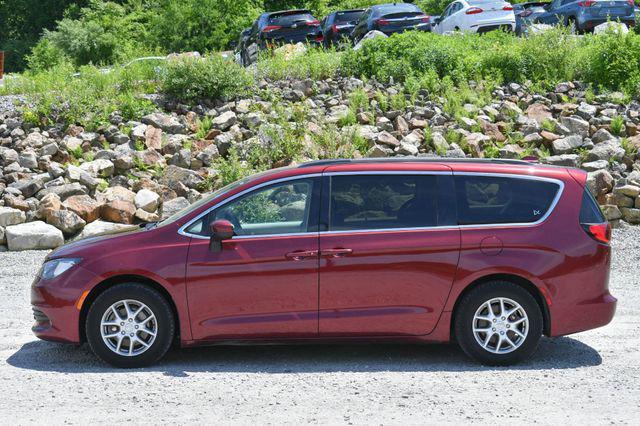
[54,268]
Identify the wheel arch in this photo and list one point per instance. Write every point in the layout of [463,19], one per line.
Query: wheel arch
[102,286]
[515,279]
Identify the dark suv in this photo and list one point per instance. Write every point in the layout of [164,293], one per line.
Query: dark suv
[391,18]
[490,254]
[276,28]
[584,15]
[337,26]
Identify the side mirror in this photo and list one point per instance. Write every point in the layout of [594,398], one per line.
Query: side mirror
[221,230]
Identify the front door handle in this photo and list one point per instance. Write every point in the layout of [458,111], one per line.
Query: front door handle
[301,254]
[336,252]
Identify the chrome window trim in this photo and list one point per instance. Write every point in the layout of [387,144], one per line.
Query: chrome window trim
[550,210]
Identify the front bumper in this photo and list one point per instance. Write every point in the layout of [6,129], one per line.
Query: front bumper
[56,306]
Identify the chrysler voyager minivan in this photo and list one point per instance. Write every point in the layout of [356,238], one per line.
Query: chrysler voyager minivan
[491,254]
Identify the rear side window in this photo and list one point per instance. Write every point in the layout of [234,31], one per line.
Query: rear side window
[589,210]
[493,199]
[361,202]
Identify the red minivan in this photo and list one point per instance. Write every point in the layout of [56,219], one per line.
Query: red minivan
[489,253]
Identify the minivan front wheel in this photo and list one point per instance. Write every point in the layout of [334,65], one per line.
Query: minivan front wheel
[130,325]
[498,323]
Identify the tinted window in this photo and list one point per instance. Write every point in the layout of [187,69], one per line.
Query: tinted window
[348,16]
[359,202]
[282,208]
[289,19]
[488,199]
[589,210]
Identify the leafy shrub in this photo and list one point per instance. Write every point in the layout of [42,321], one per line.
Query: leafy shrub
[210,77]
[613,62]
[316,63]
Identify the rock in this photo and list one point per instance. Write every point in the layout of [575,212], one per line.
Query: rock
[48,204]
[75,173]
[173,206]
[592,166]
[539,112]
[66,221]
[116,193]
[71,143]
[145,216]
[225,120]
[138,133]
[28,187]
[10,216]
[100,227]
[599,182]
[48,149]
[28,160]
[209,155]
[388,139]
[566,145]
[630,215]
[168,123]
[98,168]
[173,174]
[568,160]
[549,137]
[608,150]
[586,111]
[118,211]
[627,190]
[33,236]
[379,151]
[153,137]
[63,191]
[576,125]
[611,212]
[84,206]
[407,149]
[147,200]
[3,239]
[439,142]
[492,130]
[16,203]
[401,125]
[181,159]
[610,27]
[602,135]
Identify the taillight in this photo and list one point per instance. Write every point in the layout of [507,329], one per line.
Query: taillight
[319,38]
[601,232]
[631,2]
[474,10]
[334,29]
[313,23]
[382,22]
[425,19]
[587,3]
[270,28]
[508,7]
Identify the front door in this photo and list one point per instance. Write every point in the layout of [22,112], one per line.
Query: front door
[389,257]
[264,282]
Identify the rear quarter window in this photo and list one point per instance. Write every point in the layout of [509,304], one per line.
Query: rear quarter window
[496,199]
[589,209]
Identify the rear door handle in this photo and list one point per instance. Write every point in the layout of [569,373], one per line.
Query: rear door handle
[301,254]
[337,252]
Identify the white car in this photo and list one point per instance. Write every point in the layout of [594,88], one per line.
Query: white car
[476,16]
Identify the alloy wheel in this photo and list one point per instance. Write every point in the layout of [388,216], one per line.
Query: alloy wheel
[500,325]
[128,327]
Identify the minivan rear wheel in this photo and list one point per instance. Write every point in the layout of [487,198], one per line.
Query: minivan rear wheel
[130,325]
[498,323]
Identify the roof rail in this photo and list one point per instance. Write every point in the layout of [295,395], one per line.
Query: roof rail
[415,160]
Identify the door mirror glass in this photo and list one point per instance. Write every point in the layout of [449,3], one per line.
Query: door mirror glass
[221,230]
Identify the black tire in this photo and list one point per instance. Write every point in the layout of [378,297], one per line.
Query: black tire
[464,323]
[165,326]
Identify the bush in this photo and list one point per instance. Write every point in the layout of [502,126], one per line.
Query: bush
[211,77]
[316,63]
[613,62]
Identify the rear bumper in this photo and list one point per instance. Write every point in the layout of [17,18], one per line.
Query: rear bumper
[588,23]
[491,25]
[586,315]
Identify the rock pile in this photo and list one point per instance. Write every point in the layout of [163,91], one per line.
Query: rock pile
[61,183]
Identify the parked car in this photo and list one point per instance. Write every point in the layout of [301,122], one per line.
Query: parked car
[526,13]
[276,28]
[337,26]
[584,15]
[490,253]
[390,19]
[479,16]
[240,46]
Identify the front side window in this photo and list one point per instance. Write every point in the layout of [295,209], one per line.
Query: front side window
[495,199]
[282,208]
[369,202]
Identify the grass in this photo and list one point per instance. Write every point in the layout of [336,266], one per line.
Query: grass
[617,125]
[315,63]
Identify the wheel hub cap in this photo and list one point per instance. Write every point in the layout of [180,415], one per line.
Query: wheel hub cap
[500,325]
[128,327]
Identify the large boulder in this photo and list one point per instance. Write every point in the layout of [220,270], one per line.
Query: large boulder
[84,206]
[576,125]
[566,145]
[118,211]
[10,216]
[100,227]
[33,236]
[599,182]
[168,123]
[116,193]
[147,200]
[66,221]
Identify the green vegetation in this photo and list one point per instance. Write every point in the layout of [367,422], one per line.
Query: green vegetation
[617,125]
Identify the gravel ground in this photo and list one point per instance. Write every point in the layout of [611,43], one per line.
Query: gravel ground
[591,377]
